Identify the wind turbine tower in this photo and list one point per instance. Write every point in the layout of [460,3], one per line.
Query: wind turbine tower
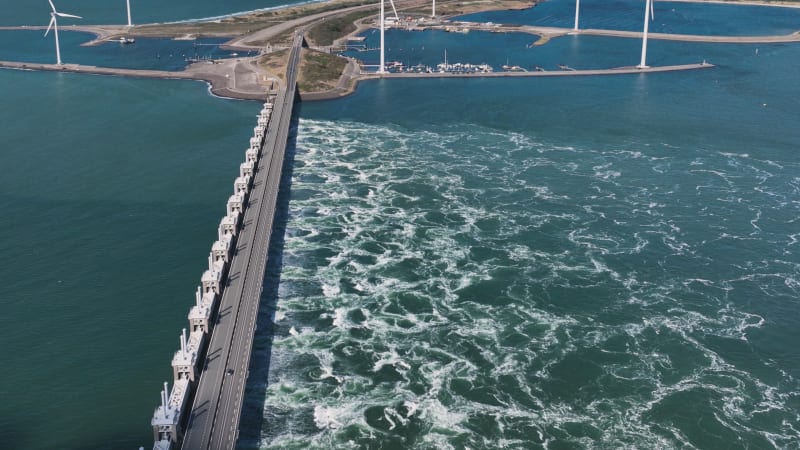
[54,26]
[128,3]
[577,13]
[433,10]
[382,67]
[648,14]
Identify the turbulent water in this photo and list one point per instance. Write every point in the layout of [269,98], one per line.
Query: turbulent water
[492,290]
[602,262]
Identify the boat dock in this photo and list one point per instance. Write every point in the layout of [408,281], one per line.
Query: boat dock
[539,73]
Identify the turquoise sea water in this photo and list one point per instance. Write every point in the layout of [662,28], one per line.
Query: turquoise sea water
[111,192]
[571,263]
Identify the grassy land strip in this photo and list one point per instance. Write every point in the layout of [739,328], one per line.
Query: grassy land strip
[319,71]
[331,29]
[457,8]
[238,25]
[275,63]
[281,40]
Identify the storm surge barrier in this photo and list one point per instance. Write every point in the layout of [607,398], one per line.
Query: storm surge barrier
[203,407]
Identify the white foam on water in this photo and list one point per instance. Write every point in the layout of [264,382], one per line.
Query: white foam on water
[734,155]
[326,366]
[339,318]
[390,358]
[457,278]
[325,417]
[330,290]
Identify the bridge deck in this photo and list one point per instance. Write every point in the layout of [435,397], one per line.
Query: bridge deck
[214,416]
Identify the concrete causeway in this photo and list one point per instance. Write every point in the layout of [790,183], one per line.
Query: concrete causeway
[213,421]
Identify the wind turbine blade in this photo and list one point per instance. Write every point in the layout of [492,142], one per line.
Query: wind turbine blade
[52,21]
[652,10]
[52,5]
[68,15]
[395,10]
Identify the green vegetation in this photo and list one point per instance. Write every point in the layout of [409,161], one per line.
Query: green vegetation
[333,28]
[281,40]
[275,63]
[306,10]
[236,26]
[319,71]
[458,7]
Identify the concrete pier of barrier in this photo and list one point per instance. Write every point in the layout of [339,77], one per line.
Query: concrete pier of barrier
[213,419]
[202,409]
[170,418]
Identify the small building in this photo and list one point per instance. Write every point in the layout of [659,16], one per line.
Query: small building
[200,314]
[236,205]
[251,154]
[167,416]
[246,169]
[221,249]
[211,281]
[227,227]
[241,185]
[184,362]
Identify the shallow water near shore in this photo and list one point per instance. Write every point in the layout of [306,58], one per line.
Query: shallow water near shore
[145,53]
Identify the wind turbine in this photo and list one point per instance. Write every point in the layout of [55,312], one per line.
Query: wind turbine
[382,67]
[648,15]
[128,3]
[577,13]
[433,9]
[54,25]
